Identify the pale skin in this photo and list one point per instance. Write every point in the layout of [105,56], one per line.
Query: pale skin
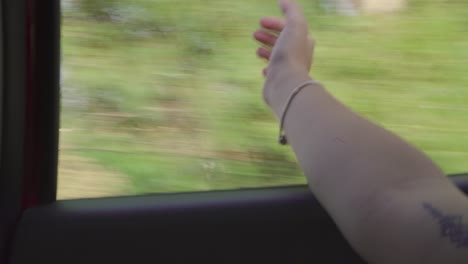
[391,202]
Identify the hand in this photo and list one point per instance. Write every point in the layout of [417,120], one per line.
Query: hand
[288,50]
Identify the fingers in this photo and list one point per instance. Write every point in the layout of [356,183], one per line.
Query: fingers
[292,11]
[263,53]
[285,5]
[273,23]
[293,37]
[265,37]
[268,39]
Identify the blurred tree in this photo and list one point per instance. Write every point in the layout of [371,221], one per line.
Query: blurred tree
[346,7]
[352,7]
[379,6]
[98,9]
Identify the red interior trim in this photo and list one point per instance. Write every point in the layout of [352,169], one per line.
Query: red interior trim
[32,146]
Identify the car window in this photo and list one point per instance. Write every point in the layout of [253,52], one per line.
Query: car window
[165,96]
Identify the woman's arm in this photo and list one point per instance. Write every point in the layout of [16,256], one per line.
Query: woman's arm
[382,192]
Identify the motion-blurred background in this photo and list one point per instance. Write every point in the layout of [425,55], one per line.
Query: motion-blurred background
[165,95]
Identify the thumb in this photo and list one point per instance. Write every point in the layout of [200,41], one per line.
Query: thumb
[292,11]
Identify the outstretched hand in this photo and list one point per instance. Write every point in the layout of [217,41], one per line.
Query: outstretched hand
[286,46]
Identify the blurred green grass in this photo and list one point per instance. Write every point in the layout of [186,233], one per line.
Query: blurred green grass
[169,92]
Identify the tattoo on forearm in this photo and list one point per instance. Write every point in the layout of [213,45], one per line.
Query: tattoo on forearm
[451,226]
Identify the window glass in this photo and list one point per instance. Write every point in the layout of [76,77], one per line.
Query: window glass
[165,96]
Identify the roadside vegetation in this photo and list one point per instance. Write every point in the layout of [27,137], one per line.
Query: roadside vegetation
[168,93]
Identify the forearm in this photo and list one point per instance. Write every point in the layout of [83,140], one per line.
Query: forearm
[334,145]
[353,165]
[421,225]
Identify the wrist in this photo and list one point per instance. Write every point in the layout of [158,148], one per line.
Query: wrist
[278,87]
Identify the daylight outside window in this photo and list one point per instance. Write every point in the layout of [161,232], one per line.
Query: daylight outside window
[165,95]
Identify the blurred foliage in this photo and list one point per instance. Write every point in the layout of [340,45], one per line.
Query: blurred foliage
[168,93]
[98,9]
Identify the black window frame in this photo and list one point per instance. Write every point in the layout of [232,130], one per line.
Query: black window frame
[29,110]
